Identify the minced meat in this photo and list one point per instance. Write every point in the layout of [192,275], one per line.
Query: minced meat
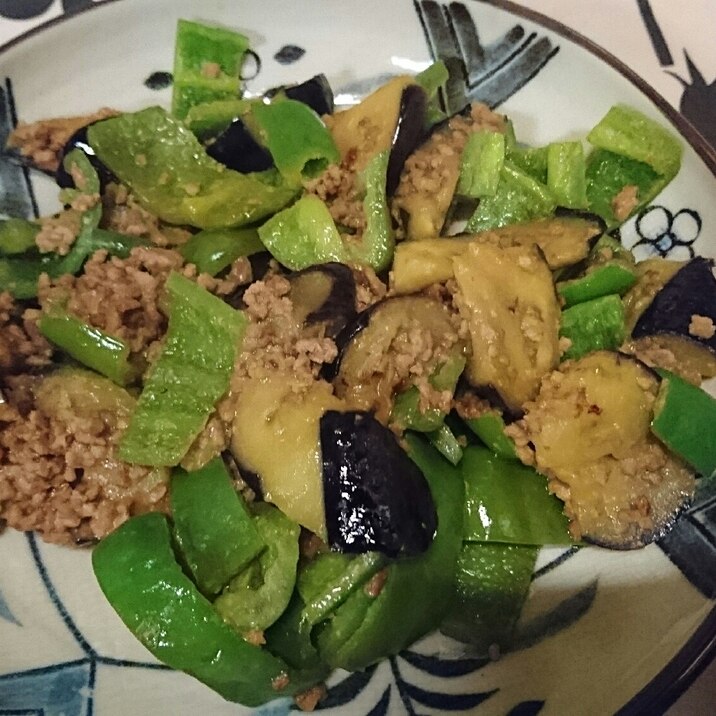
[22,346]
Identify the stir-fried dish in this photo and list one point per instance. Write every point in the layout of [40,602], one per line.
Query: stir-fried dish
[320,382]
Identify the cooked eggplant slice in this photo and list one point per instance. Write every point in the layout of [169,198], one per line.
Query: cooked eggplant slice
[651,276]
[684,307]
[324,294]
[316,93]
[588,431]
[276,435]
[409,132]
[79,141]
[508,299]
[237,149]
[376,498]
[390,347]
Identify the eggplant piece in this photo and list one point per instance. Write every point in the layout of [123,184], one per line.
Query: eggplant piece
[376,498]
[237,149]
[409,133]
[80,141]
[315,92]
[589,428]
[393,117]
[325,293]
[387,346]
[684,307]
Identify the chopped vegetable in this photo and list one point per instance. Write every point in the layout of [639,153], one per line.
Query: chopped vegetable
[17,236]
[214,250]
[593,325]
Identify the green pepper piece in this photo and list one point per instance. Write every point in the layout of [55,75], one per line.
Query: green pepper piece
[17,236]
[299,142]
[89,345]
[207,64]
[214,250]
[378,241]
[599,324]
[490,428]
[492,585]
[608,173]
[506,501]
[303,235]
[481,164]
[519,198]
[406,408]
[334,592]
[210,119]
[445,442]
[138,573]
[190,375]
[566,174]
[626,131]
[432,79]
[324,569]
[418,591]
[684,415]
[212,526]
[607,279]
[257,597]
[166,167]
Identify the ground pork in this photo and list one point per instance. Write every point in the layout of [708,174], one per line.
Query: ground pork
[22,346]
[701,327]
[651,351]
[59,474]
[42,142]
[369,288]
[239,274]
[625,202]
[124,214]
[119,296]
[58,233]
[428,181]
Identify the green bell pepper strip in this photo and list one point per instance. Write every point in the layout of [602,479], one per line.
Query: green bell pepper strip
[303,235]
[207,65]
[324,569]
[566,174]
[214,250]
[335,591]
[490,428]
[684,415]
[506,501]
[256,597]
[608,173]
[481,164]
[190,375]
[138,573]
[417,592]
[300,144]
[406,411]
[518,198]
[432,79]
[210,119]
[88,345]
[166,167]
[626,131]
[599,324]
[613,278]
[212,526]
[17,236]
[492,585]
[445,442]
[533,161]
[377,244]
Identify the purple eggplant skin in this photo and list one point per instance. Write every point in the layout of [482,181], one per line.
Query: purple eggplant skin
[691,291]
[79,141]
[339,308]
[409,133]
[237,149]
[376,498]
[316,93]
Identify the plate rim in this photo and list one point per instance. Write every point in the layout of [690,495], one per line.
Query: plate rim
[673,680]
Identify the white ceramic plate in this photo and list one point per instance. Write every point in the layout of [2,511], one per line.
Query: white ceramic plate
[604,626]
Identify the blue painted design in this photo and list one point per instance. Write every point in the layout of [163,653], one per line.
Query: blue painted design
[526,708]
[691,544]
[280,707]
[6,613]
[550,566]
[59,690]
[444,668]
[566,613]
[381,708]
[16,195]
[490,74]
[665,232]
[345,691]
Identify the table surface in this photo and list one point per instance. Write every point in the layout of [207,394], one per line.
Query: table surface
[661,40]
